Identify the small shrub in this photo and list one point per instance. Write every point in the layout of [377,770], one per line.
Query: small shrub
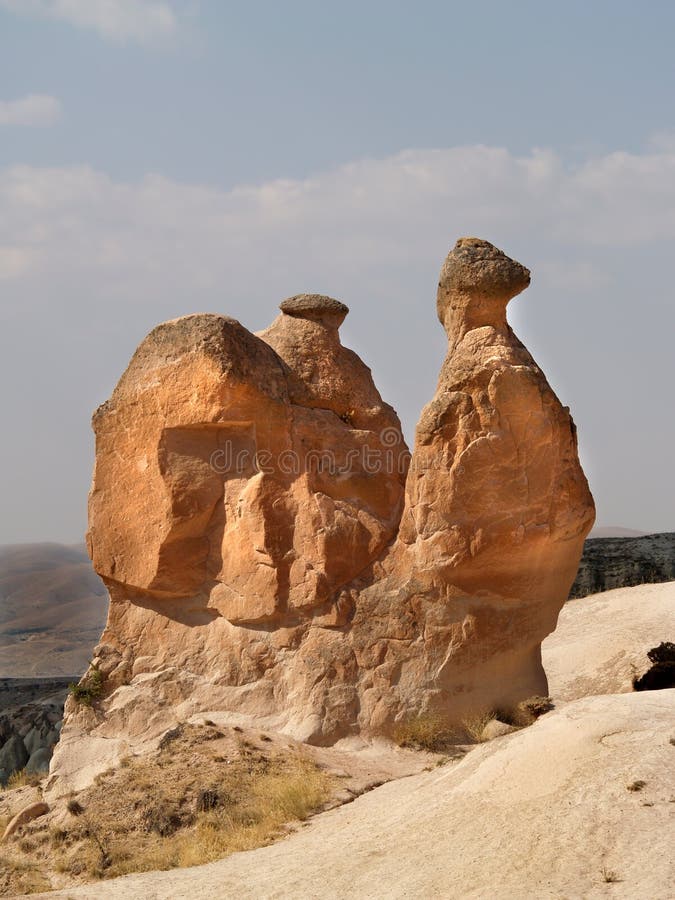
[89,689]
[661,674]
[58,837]
[74,807]
[609,876]
[206,800]
[164,819]
[635,786]
[526,712]
[536,706]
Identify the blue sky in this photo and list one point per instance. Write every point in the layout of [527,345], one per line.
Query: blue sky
[159,158]
[238,92]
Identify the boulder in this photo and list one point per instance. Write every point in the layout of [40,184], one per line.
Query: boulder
[34,811]
[495,729]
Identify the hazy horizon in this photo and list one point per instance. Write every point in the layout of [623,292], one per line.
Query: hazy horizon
[162,158]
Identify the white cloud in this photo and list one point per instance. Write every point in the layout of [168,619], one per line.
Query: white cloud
[361,218]
[143,21]
[88,264]
[35,109]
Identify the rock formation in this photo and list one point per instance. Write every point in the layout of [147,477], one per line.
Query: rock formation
[30,722]
[615,562]
[267,551]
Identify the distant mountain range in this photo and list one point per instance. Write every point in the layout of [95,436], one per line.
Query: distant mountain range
[52,610]
[611,531]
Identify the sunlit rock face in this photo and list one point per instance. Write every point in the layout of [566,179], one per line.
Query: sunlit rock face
[273,550]
[497,509]
[222,485]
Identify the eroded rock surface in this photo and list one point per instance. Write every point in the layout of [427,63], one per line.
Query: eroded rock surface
[267,551]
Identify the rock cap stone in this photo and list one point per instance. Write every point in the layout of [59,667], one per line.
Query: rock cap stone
[477,281]
[315,306]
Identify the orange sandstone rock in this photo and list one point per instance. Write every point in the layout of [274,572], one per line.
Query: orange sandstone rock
[268,553]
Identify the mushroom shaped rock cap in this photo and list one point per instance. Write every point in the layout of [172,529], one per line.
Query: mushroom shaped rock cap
[477,277]
[318,307]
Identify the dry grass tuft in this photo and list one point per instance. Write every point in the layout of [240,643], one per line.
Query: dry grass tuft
[22,779]
[428,731]
[432,731]
[608,876]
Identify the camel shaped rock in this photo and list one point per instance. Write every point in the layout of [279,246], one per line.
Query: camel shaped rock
[272,549]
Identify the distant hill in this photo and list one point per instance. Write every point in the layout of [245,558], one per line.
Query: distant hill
[610,531]
[617,562]
[52,610]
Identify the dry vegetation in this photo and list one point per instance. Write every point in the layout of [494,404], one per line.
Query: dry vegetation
[429,731]
[22,779]
[433,732]
[608,876]
[635,786]
[205,793]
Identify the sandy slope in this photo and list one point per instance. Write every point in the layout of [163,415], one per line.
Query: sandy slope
[542,813]
[602,641]
[535,814]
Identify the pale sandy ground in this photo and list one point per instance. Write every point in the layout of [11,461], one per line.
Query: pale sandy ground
[602,641]
[542,813]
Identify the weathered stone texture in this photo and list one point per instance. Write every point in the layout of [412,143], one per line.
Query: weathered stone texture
[268,552]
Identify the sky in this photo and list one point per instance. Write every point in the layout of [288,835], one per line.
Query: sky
[159,158]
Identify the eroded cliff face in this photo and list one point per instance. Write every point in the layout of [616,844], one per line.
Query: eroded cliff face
[608,563]
[268,552]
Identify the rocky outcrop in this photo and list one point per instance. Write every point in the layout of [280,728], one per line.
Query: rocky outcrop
[31,714]
[268,552]
[33,811]
[609,563]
